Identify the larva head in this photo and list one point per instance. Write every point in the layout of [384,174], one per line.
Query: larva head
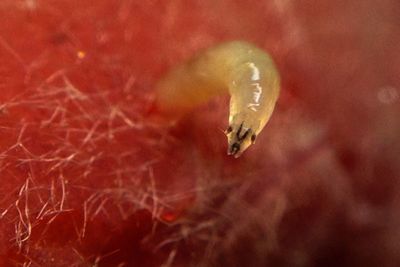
[239,139]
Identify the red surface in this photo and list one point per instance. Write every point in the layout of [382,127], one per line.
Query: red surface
[87,177]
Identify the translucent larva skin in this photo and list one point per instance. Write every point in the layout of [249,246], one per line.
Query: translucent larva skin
[245,71]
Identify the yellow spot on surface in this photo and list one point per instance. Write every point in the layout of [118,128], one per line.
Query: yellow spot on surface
[81,54]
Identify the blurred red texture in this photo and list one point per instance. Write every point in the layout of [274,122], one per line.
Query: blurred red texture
[88,179]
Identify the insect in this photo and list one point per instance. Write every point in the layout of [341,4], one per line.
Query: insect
[240,68]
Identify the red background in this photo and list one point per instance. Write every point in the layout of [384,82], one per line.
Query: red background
[87,177]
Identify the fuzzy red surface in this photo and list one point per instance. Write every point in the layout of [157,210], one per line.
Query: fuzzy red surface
[88,177]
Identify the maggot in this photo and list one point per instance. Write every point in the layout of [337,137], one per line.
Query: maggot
[240,68]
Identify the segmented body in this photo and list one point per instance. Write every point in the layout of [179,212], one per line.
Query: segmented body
[240,68]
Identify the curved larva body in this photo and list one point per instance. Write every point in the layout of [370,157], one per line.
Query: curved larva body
[247,72]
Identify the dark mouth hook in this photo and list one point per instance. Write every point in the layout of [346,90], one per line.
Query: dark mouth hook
[234,149]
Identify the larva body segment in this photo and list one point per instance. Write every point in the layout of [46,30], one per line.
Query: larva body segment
[245,71]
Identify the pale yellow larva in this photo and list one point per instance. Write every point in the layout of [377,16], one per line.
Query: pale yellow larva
[242,69]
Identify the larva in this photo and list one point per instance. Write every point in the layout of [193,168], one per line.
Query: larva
[245,71]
